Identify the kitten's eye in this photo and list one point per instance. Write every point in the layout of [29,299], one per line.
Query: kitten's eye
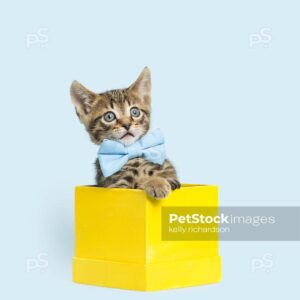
[135,112]
[109,116]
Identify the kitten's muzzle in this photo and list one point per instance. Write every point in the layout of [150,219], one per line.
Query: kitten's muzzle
[127,134]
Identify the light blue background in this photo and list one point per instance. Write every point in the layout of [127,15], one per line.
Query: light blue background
[233,104]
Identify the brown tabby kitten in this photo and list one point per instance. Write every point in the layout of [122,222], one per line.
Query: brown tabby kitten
[124,115]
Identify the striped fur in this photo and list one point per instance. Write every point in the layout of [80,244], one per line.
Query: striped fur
[126,128]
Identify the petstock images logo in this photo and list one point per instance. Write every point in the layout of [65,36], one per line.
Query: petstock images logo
[231,223]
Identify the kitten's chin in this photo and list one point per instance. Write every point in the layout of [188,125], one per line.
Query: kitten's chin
[128,140]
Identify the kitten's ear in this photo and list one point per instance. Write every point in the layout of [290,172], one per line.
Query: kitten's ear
[82,98]
[142,86]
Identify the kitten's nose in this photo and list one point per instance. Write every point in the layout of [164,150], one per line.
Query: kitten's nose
[126,126]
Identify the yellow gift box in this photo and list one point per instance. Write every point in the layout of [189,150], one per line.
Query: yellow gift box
[118,240]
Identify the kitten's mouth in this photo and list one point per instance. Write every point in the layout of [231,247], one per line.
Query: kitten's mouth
[126,135]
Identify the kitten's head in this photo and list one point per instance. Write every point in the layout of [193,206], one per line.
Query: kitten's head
[122,115]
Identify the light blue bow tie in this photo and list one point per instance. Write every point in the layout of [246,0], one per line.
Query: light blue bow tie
[114,155]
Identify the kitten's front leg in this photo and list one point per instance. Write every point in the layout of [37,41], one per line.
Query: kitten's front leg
[160,180]
[157,187]
[121,179]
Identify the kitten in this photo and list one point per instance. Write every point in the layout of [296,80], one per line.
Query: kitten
[123,115]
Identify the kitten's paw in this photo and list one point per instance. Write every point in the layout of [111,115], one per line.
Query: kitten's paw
[174,183]
[158,188]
